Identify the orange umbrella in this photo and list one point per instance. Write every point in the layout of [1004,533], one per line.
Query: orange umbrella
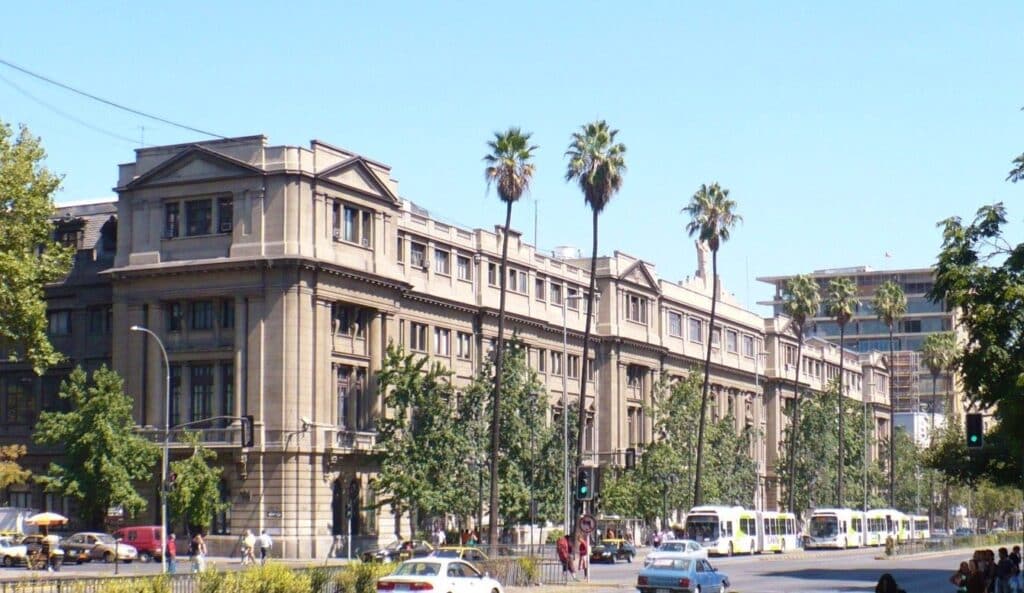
[46,519]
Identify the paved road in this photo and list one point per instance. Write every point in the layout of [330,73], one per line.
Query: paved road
[812,571]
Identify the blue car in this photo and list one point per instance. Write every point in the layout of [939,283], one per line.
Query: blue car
[681,575]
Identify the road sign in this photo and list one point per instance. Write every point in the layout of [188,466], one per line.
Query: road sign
[587,524]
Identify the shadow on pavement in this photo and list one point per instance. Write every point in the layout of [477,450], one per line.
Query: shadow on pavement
[912,580]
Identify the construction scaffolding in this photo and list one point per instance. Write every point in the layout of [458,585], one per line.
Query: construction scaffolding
[906,370]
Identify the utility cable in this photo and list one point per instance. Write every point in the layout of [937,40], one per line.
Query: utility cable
[106,101]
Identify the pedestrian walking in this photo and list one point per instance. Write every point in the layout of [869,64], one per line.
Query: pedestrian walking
[172,554]
[959,578]
[976,582]
[265,543]
[564,550]
[1003,571]
[248,548]
[197,551]
[584,562]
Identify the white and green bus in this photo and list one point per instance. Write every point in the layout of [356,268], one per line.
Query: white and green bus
[877,527]
[778,532]
[834,528]
[723,530]
[919,528]
[895,524]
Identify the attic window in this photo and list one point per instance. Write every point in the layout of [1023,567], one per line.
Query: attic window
[636,308]
[71,238]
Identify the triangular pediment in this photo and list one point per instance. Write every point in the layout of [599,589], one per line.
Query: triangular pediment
[194,164]
[355,174]
[640,275]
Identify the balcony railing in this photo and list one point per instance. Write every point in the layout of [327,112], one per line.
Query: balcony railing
[227,436]
[355,440]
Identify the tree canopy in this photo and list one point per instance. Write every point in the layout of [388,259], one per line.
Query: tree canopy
[29,257]
[103,457]
[196,495]
[11,472]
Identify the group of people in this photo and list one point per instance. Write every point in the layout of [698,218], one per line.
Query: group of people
[249,544]
[986,572]
[196,553]
[564,549]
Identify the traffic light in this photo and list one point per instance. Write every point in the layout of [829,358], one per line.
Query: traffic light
[585,484]
[975,431]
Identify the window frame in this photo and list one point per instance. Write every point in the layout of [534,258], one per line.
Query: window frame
[690,327]
[464,346]
[418,336]
[668,322]
[732,341]
[442,342]
[195,206]
[442,261]
[464,268]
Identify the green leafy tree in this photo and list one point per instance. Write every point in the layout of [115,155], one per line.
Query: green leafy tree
[890,305]
[597,164]
[103,457]
[911,468]
[26,205]
[196,497]
[938,352]
[422,451]
[11,472]
[841,302]
[817,468]
[800,301]
[981,274]
[712,216]
[510,169]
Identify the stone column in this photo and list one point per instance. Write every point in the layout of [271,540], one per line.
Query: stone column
[376,347]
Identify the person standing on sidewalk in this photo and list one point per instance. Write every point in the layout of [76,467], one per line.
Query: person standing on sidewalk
[564,550]
[172,554]
[265,543]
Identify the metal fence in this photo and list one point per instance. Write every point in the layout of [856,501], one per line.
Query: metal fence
[942,544]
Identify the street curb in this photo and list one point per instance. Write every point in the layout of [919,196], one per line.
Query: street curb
[967,551]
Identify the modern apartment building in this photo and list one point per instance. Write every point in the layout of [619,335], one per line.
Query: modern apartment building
[277,275]
[912,381]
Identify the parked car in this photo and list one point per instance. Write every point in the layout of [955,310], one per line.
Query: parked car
[42,550]
[461,552]
[99,546]
[145,538]
[677,548]
[438,574]
[997,530]
[681,575]
[610,550]
[397,550]
[963,532]
[12,553]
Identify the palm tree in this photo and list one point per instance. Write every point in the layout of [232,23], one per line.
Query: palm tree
[510,170]
[712,216]
[841,302]
[937,352]
[800,301]
[890,305]
[596,163]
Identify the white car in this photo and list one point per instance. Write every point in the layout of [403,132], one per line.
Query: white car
[677,548]
[11,553]
[443,575]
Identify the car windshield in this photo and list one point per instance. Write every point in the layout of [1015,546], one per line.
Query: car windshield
[823,527]
[702,527]
[681,564]
[672,547]
[428,569]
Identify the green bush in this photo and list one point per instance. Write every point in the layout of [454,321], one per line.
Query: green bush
[554,535]
[361,577]
[530,570]
[157,584]
[269,578]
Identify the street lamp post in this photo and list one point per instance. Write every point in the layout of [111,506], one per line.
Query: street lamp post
[167,436]
[567,510]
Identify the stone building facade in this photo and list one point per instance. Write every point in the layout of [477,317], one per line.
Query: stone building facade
[276,276]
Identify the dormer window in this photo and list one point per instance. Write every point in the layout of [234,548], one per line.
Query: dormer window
[199,217]
[636,308]
[352,224]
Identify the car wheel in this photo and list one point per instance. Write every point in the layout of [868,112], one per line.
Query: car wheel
[8,561]
[108,557]
[145,557]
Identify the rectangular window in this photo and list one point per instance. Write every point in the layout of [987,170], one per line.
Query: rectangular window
[400,249]
[464,269]
[20,401]
[227,391]
[198,217]
[100,320]
[351,228]
[225,215]
[417,254]
[748,346]
[353,225]
[675,324]
[442,341]
[571,298]
[524,283]
[556,294]
[465,346]
[175,381]
[539,284]
[201,387]
[542,360]
[716,337]
[512,275]
[731,340]
[227,314]
[59,323]
[442,262]
[417,337]
[696,330]
[175,316]
[573,367]
[591,371]
[556,363]
[172,220]
[202,315]
[636,308]
[635,376]
[492,274]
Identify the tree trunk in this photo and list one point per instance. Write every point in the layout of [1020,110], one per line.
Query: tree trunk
[842,415]
[698,498]
[795,423]
[931,473]
[892,426]
[581,421]
[499,359]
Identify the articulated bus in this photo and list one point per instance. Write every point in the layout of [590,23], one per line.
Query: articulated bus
[834,528]
[778,532]
[723,530]
[893,523]
[919,527]
[877,528]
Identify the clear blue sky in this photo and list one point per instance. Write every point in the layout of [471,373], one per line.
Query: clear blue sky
[843,130]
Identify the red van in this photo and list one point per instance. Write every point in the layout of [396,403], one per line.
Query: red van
[145,538]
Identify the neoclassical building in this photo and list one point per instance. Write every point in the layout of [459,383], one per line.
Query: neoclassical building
[276,276]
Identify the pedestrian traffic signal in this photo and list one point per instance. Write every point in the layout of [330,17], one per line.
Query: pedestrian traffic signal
[975,431]
[585,484]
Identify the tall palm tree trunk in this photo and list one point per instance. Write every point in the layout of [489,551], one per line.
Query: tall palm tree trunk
[795,425]
[499,362]
[892,426]
[698,498]
[931,473]
[842,414]
[580,434]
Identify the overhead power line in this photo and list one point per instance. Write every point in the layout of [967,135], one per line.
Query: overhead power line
[106,101]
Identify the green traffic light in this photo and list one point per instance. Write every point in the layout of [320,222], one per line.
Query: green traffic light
[974,438]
